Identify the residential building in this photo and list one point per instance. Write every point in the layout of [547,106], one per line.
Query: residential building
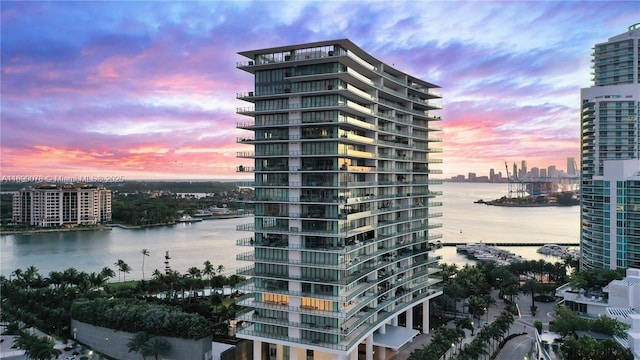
[619,300]
[610,162]
[48,205]
[344,205]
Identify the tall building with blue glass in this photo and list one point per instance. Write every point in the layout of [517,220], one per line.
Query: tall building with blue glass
[343,235]
[610,161]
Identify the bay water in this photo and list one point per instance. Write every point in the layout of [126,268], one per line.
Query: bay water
[191,244]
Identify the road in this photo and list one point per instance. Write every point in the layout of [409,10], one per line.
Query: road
[516,348]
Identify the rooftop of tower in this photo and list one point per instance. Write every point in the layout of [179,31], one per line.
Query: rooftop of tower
[345,43]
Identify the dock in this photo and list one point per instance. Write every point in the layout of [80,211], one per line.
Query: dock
[507,244]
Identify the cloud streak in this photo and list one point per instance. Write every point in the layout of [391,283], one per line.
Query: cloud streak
[148,90]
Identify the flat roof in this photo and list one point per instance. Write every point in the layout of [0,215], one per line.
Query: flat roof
[394,337]
[346,43]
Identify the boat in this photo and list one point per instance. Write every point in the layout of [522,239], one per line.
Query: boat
[188,219]
[203,213]
[484,252]
[553,250]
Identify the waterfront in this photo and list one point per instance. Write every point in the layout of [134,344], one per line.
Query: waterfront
[214,240]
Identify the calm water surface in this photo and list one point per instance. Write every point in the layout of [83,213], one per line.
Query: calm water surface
[214,240]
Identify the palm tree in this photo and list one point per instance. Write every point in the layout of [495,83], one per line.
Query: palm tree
[55,278]
[194,275]
[137,342]
[30,275]
[220,269]
[107,273]
[473,350]
[125,269]
[530,287]
[477,306]
[71,276]
[44,349]
[24,341]
[35,347]
[119,264]
[156,346]
[157,274]
[208,270]
[97,279]
[144,253]
[17,273]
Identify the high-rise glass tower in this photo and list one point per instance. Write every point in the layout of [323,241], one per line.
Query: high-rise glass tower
[342,237]
[571,166]
[610,162]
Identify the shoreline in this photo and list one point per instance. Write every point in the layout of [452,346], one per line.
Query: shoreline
[109,227]
[488,203]
[55,230]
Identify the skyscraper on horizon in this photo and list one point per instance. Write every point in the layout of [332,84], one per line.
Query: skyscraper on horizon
[610,162]
[343,231]
[571,167]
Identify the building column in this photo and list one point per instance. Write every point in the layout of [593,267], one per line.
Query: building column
[381,353]
[279,352]
[425,317]
[296,353]
[257,350]
[409,318]
[382,329]
[354,354]
[394,321]
[369,346]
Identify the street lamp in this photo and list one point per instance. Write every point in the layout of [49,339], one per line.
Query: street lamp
[472,329]
[453,347]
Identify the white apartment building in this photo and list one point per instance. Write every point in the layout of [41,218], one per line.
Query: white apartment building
[344,222]
[620,300]
[48,205]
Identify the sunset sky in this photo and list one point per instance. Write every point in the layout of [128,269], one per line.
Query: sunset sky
[146,90]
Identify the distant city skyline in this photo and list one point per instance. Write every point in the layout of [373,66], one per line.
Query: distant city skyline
[497,174]
[145,90]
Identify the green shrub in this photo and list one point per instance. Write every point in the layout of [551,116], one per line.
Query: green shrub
[134,315]
[538,325]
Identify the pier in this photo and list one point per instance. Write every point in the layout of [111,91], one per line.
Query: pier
[507,244]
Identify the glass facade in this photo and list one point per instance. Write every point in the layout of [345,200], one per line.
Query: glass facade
[610,144]
[345,211]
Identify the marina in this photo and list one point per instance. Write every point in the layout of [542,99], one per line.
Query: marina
[484,252]
[560,251]
[527,244]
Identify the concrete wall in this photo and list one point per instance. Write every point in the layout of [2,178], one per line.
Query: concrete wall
[618,293]
[113,343]
[242,351]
